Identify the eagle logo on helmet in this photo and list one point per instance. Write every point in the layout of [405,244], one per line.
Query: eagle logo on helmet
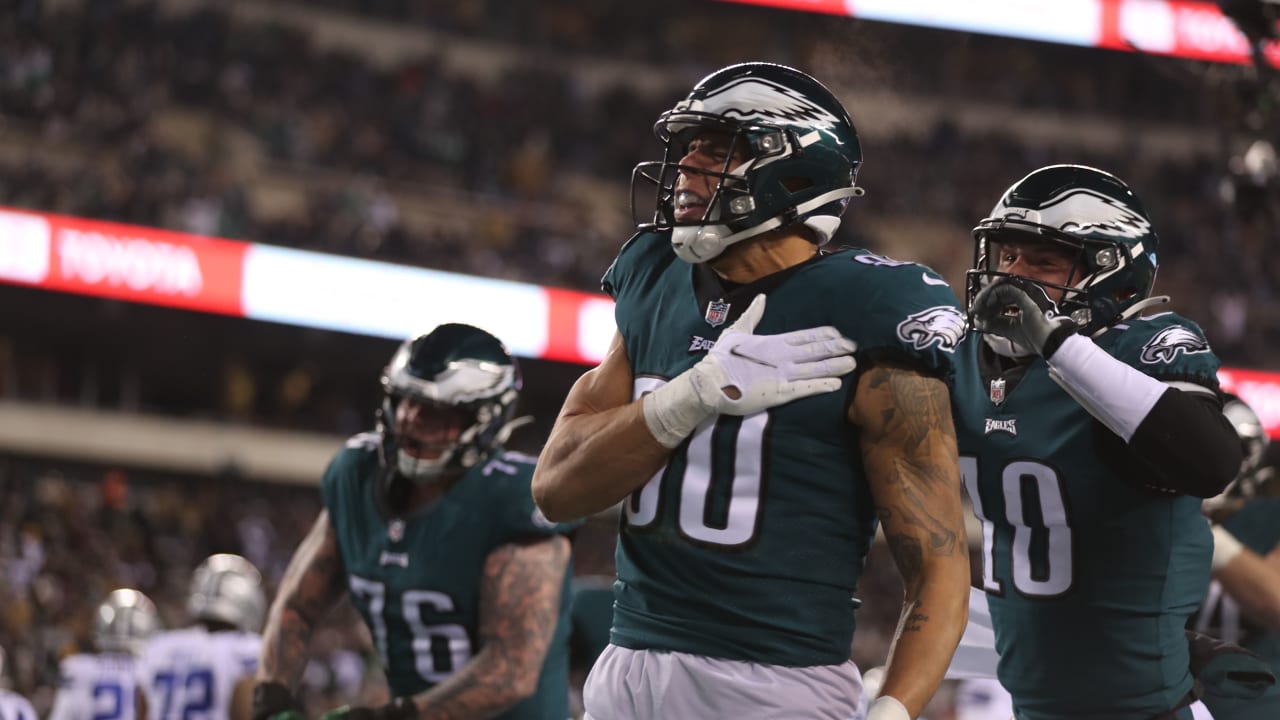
[757,99]
[941,325]
[1165,345]
[1082,211]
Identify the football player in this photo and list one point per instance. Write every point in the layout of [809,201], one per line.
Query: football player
[1243,602]
[12,705]
[103,685]
[752,461]
[206,670]
[430,528]
[1088,436]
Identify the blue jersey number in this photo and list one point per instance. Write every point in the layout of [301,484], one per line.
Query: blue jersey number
[108,701]
[194,694]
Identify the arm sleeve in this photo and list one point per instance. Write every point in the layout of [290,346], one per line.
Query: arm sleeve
[1188,443]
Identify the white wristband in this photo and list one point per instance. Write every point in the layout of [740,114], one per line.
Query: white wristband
[1225,548]
[1118,395]
[887,707]
[674,411]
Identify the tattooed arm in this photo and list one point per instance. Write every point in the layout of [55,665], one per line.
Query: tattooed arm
[519,606]
[909,452]
[313,584]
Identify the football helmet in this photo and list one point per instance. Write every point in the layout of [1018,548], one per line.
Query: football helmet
[228,589]
[1093,214]
[124,621]
[803,158]
[456,366]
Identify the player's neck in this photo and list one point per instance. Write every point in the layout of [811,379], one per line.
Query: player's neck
[762,256]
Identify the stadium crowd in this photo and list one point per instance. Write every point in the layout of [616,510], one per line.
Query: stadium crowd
[511,167]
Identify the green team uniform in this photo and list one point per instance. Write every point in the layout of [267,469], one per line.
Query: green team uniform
[1090,574]
[748,545]
[416,581]
[1257,527]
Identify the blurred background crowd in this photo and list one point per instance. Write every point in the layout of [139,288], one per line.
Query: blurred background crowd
[496,138]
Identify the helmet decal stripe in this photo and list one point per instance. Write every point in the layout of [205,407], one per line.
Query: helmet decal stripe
[1082,211]
[760,100]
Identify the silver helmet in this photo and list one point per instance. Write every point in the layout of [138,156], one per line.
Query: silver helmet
[1254,472]
[124,621]
[228,589]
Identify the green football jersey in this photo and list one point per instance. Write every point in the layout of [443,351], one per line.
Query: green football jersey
[1090,573]
[748,544]
[416,581]
[1257,527]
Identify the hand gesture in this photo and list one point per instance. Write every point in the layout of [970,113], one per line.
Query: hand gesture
[1018,310]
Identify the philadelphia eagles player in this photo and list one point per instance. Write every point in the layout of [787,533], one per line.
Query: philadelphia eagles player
[1088,435]
[1243,602]
[430,528]
[752,461]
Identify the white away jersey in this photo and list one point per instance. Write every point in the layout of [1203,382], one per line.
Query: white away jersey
[95,687]
[190,674]
[15,707]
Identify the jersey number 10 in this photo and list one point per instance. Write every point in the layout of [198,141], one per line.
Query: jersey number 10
[1040,551]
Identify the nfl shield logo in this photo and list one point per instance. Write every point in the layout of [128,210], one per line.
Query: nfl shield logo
[395,531]
[997,391]
[717,312]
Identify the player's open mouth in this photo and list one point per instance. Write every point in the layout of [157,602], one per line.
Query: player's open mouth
[689,206]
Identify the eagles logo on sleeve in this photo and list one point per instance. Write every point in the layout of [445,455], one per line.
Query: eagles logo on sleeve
[1165,345]
[942,325]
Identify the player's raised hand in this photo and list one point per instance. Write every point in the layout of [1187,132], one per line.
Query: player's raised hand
[747,373]
[274,701]
[1020,311]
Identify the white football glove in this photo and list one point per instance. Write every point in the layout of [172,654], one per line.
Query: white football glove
[746,373]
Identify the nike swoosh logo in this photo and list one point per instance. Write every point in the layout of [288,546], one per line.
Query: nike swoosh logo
[931,281]
[734,352]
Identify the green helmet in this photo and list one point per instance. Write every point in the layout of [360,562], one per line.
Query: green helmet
[457,366]
[803,158]
[1090,212]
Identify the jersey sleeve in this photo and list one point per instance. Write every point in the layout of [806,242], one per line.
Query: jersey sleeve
[244,653]
[519,517]
[899,311]
[342,475]
[641,257]
[69,703]
[1168,347]
[638,267]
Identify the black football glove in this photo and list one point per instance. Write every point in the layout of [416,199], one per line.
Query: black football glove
[1019,310]
[274,701]
[398,709]
[1226,669]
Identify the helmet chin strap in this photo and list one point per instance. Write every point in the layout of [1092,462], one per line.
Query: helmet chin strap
[700,243]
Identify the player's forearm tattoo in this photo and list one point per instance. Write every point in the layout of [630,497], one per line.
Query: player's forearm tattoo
[312,585]
[519,606]
[915,427]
